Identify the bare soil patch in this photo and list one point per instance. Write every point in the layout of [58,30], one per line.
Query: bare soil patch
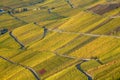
[104,8]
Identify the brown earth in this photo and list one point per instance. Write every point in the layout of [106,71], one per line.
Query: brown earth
[104,8]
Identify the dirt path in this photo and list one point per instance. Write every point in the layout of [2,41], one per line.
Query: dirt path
[78,66]
[26,67]
[79,59]
[98,26]
[115,17]
[84,34]
[20,43]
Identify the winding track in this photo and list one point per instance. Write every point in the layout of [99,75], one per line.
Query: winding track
[72,57]
[78,66]
[85,34]
[26,67]
[80,33]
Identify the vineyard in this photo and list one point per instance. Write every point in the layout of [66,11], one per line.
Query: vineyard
[60,40]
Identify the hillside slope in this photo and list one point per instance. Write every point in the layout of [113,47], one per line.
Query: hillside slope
[60,40]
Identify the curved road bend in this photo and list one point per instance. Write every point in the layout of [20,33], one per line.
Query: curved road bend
[85,73]
[79,59]
[79,65]
[20,43]
[26,67]
[44,28]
